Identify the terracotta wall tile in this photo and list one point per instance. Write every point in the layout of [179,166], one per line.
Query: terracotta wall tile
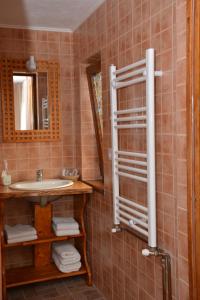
[131,27]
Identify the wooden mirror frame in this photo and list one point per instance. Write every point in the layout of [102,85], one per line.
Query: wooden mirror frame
[8,67]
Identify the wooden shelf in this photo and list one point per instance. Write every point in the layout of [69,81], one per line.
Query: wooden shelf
[50,239]
[27,275]
[43,269]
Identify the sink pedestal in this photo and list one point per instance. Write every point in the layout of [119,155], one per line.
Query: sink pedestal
[42,223]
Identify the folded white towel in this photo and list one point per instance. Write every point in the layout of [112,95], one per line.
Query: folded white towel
[65,223]
[19,230]
[22,239]
[65,250]
[68,268]
[64,226]
[65,232]
[69,260]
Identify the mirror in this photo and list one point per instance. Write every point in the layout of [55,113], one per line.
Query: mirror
[30,101]
[94,77]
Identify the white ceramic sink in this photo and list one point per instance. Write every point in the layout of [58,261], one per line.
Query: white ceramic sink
[46,184]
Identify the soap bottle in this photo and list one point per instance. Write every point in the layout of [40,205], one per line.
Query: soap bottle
[6,178]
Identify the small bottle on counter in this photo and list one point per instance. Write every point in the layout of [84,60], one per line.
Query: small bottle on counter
[5,177]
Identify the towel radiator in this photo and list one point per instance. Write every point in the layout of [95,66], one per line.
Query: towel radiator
[136,166]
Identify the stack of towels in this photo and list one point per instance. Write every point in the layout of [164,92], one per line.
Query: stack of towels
[66,257]
[65,226]
[20,233]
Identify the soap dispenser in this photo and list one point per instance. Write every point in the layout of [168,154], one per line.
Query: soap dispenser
[6,178]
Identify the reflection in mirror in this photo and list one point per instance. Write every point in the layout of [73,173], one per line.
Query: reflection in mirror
[97,87]
[94,77]
[43,108]
[24,101]
[31,101]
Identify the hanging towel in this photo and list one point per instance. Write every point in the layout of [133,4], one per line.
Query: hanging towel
[65,232]
[19,231]
[22,239]
[66,268]
[65,223]
[65,250]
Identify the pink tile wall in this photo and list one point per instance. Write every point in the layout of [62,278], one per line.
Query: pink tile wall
[121,30]
[25,158]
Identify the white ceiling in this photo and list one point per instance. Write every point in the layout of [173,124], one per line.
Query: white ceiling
[55,15]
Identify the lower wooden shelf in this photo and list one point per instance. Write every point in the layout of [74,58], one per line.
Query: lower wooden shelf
[26,275]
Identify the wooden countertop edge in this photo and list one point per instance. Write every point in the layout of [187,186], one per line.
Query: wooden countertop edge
[77,188]
[97,185]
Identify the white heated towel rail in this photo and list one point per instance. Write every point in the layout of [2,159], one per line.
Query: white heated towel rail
[135,165]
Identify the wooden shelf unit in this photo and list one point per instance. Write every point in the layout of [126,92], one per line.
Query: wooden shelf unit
[43,268]
[27,275]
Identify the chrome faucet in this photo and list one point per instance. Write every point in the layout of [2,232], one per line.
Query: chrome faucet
[39,175]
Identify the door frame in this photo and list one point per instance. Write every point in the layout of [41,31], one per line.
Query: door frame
[193,144]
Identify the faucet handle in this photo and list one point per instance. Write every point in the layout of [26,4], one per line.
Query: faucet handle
[39,171]
[39,174]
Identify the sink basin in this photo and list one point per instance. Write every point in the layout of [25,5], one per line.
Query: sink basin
[47,184]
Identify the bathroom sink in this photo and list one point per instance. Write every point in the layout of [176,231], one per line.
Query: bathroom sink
[47,184]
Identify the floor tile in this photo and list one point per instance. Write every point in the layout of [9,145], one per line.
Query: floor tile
[66,289]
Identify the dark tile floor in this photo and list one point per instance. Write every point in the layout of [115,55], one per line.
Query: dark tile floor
[68,289]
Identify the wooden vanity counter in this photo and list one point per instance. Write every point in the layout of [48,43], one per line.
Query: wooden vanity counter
[77,188]
[43,267]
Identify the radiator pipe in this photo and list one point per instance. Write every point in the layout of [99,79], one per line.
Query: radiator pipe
[166,270]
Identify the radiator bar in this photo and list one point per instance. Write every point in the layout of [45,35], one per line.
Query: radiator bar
[132,161]
[132,203]
[136,170]
[139,178]
[134,219]
[136,154]
[126,119]
[130,74]
[130,110]
[131,66]
[130,126]
[119,85]
[133,211]
[135,227]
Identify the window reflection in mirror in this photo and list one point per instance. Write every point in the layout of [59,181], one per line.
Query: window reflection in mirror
[97,90]
[43,105]
[24,101]
[94,77]
[31,101]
